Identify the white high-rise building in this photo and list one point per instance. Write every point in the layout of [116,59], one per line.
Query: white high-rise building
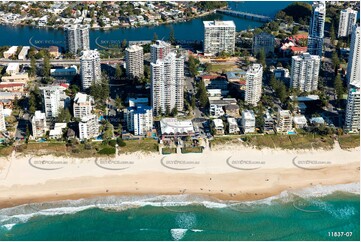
[352,117]
[248,121]
[304,72]
[38,125]
[353,65]
[134,59]
[316,28]
[83,105]
[88,127]
[2,118]
[159,50]
[139,119]
[54,98]
[254,84]
[90,68]
[348,19]
[167,78]
[76,38]
[219,36]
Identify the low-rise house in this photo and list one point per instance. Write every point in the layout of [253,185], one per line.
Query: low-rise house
[133,102]
[214,94]
[232,126]
[54,51]
[248,121]
[232,110]
[10,95]
[217,125]
[64,72]
[174,128]
[23,53]
[38,125]
[317,121]
[216,106]
[88,127]
[300,121]
[284,121]
[10,52]
[18,78]
[57,131]
[12,68]
[12,87]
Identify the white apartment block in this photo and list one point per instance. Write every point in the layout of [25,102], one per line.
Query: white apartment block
[217,125]
[167,78]
[284,121]
[232,126]
[139,119]
[248,121]
[23,53]
[134,59]
[90,68]
[88,127]
[159,50]
[12,68]
[2,119]
[263,41]
[269,123]
[304,72]
[76,38]
[353,65]
[316,28]
[38,124]
[219,36]
[348,18]
[254,84]
[54,98]
[10,52]
[83,105]
[352,117]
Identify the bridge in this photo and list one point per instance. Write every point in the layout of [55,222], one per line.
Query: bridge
[251,16]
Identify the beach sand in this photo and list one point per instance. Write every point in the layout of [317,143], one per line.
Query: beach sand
[228,173]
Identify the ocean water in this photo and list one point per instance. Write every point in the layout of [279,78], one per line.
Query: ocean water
[289,216]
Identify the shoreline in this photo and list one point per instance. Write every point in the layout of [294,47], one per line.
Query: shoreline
[246,174]
[112,27]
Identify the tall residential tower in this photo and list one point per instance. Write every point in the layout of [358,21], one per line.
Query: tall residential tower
[219,36]
[134,59]
[90,68]
[76,38]
[316,28]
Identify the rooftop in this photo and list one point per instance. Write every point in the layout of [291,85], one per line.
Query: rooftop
[248,114]
[217,23]
[173,126]
[218,122]
[301,119]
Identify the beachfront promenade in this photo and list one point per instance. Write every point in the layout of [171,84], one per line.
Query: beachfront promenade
[252,16]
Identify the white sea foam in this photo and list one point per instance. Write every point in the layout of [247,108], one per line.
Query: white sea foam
[22,213]
[9,226]
[178,234]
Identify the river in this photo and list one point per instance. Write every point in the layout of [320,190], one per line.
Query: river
[190,30]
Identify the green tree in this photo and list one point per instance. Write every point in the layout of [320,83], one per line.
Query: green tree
[338,85]
[124,44]
[262,58]
[332,33]
[46,66]
[64,115]
[193,102]
[108,131]
[295,30]
[335,60]
[193,64]
[118,102]
[174,112]
[32,70]
[118,72]
[202,94]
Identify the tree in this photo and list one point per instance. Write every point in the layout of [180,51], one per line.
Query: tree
[108,131]
[193,102]
[338,85]
[64,115]
[46,66]
[262,58]
[118,102]
[335,60]
[118,72]
[171,36]
[174,112]
[332,33]
[202,94]
[192,63]
[295,29]
[124,44]
[32,104]
[32,70]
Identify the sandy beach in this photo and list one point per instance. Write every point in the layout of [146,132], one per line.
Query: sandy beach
[228,173]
